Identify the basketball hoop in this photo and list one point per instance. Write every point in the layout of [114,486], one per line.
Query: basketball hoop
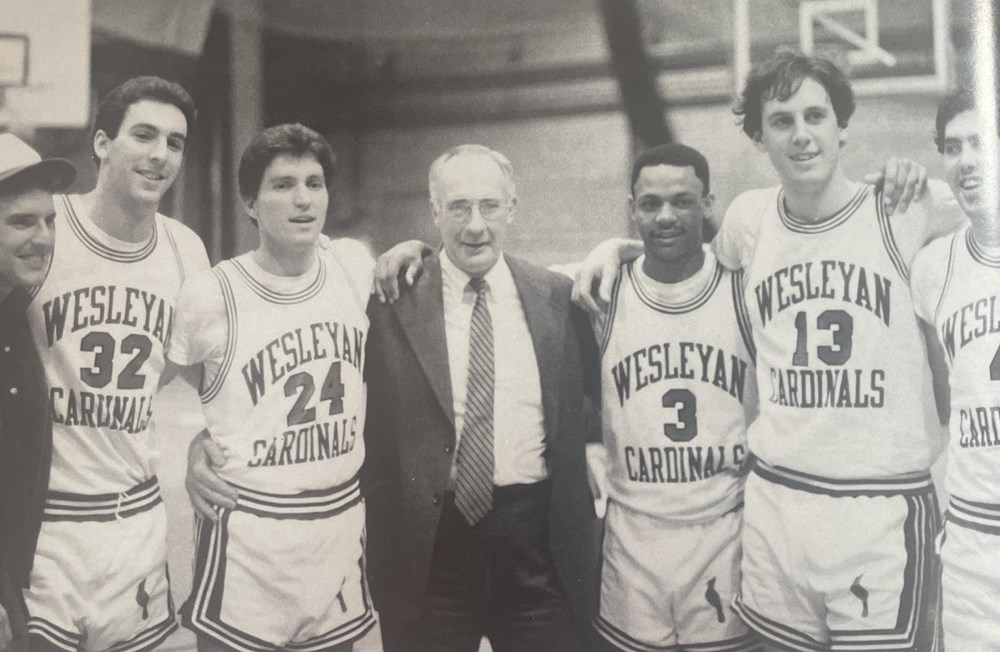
[13,71]
[44,64]
[886,46]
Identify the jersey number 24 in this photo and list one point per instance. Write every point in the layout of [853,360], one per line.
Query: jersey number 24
[302,383]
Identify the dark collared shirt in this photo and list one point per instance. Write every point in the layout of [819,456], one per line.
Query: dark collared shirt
[25,439]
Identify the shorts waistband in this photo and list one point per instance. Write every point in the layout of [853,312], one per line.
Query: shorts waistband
[983,517]
[68,506]
[900,486]
[305,505]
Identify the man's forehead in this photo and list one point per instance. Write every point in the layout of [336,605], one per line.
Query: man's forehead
[472,170]
[468,163]
[28,201]
[962,124]
[665,178]
[288,164]
[809,91]
[160,115]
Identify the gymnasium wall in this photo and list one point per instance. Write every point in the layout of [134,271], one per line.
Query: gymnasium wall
[573,172]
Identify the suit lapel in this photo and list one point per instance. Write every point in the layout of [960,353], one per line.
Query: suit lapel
[421,314]
[544,311]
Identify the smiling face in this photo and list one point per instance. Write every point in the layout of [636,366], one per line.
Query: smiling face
[469,185]
[27,235]
[290,206]
[669,208]
[142,161]
[801,136]
[965,166]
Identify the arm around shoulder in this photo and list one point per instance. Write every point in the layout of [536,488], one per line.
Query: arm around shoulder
[382,407]
[736,239]
[357,260]
[200,328]
[928,276]
[927,283]
[190,248]
[596,274]
[920,225]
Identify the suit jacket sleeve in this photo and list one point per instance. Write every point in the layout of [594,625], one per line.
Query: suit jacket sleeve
[590,360]
[376,472]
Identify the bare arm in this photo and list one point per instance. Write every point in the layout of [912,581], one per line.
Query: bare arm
[939,372]
[902,181]
[600,269]
[406,259]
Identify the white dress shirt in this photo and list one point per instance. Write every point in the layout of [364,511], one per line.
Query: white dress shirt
[518,420]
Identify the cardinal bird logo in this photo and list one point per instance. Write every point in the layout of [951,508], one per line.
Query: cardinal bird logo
[861,593]
[712,596]
[143,599]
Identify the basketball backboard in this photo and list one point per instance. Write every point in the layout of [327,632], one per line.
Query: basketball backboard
[886,46]
[45,63]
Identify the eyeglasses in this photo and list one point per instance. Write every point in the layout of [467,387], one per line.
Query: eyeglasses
[460,210]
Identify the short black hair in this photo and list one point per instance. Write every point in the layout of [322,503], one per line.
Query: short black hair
[956,101]
[672,154]
[111,110]
[780,77]
[294,139]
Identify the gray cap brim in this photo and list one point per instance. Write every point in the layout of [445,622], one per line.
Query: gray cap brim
[58,172]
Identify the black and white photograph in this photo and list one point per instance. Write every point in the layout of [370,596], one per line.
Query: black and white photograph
[518,326]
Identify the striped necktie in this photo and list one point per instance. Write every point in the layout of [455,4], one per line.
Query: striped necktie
[474,478]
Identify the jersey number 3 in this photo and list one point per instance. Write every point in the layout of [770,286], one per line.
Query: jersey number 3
[684,405]
[303,384]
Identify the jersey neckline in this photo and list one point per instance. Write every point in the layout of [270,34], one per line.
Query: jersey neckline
[708,276]
[102,244]
[979,253]
[797,225]
[246,269]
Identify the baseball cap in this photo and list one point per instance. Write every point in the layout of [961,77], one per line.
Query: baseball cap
[17,157]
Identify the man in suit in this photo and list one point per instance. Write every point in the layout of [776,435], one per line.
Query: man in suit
[479,513]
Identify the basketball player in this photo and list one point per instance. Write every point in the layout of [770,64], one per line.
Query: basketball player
[101,321]
[956,288]
[677,384]
[279,334]
[840,512]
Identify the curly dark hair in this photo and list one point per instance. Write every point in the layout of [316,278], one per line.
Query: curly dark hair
[781,76]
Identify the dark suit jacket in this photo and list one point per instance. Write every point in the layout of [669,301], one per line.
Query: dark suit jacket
[25,439]
[26,445]
[410,434]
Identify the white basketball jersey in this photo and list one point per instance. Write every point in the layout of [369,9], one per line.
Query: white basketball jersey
[676,376]
[841,364]
[288,401]
[959,288]
[101,320]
